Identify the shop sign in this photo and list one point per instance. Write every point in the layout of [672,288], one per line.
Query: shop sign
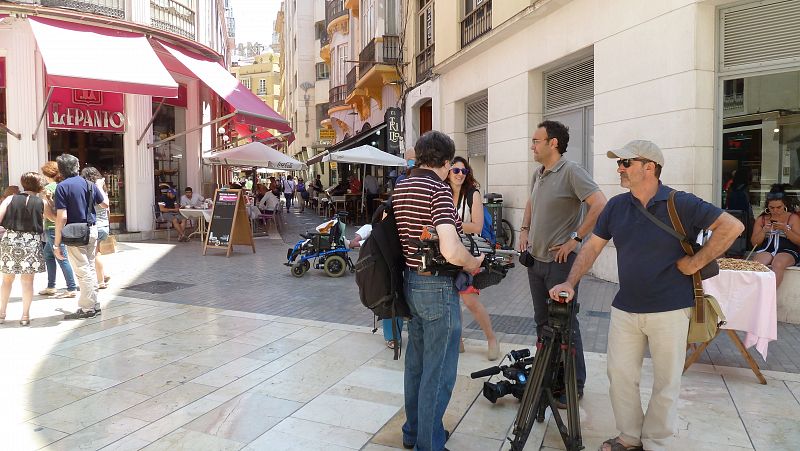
[87,110]
[392,118]
[327,136]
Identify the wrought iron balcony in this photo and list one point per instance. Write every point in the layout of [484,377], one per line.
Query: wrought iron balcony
[425,63]
[110,8]
[351,80]
[334,9]
[386,51]
[337,94]
[172,16]
[477,23]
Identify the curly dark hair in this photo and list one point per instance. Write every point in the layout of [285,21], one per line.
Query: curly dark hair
[558,131]
[778,192]
[433,149]
[91,174]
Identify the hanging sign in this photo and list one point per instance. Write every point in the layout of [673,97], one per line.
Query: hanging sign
[392,118]
[87,110]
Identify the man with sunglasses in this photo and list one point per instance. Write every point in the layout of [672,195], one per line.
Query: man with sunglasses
[553,226]
[655,295]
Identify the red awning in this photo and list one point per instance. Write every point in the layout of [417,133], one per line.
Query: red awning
[248,107]
[85,57]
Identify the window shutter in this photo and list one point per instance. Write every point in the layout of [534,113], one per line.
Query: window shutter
[476,117]
[760,35]
[569,87]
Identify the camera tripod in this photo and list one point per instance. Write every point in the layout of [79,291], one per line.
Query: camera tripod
[555,346]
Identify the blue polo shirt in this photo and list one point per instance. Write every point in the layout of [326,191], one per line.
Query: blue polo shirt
[71,196]
[649,280]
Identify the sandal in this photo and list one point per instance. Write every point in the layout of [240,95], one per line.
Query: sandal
[390,344]
[616,445]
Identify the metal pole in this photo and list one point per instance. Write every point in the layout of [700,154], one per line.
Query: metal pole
[152,119]
[178,135]
[44,111]
[8,130]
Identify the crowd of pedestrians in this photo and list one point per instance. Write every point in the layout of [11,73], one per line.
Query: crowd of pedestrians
[33,220]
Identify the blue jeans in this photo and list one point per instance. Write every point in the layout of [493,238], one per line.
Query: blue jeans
[431,357]
[289,197]
[387,328]
[50,261]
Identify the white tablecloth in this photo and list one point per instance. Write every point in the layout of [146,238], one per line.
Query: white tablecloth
[196,213]
[749,301]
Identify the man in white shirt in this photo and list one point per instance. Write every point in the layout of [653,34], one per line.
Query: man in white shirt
[190,200]
[270,202]
[288,191]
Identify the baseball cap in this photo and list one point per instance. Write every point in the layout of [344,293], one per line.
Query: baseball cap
[639,149]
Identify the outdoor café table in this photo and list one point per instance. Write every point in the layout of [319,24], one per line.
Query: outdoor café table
[202,215]
[749,301]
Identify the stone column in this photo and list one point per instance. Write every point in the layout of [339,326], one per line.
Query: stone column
[139,181]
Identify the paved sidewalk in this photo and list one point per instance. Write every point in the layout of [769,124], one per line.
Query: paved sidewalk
[164,376]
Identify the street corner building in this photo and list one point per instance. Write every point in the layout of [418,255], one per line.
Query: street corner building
[137,89]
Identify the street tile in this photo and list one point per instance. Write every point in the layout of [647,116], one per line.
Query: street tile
[346,413]
[81,414]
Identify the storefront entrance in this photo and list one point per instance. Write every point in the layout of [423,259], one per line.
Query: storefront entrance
[104,151]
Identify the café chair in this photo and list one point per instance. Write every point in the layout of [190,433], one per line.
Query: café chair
[159,221]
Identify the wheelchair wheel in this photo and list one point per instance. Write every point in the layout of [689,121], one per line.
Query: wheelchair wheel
[335,266]
[300,267]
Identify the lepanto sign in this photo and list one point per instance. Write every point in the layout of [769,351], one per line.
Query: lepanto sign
[86,110]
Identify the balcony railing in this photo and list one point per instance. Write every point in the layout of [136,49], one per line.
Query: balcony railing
[377,52]
[172,16]
[477,23]
[351,80]
[425,63]
[733,102]
[337,94]
[334,9]
[323,39]
[110,8]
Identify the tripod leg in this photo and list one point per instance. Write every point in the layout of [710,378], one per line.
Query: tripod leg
[573,438]
[532,398]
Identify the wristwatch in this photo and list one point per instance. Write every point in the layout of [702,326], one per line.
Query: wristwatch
[574,236]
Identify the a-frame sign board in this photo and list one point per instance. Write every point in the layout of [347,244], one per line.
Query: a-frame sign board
[229,222]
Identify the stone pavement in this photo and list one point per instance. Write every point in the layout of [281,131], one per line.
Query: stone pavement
[157,375]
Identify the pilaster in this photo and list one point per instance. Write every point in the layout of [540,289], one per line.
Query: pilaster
[139,181]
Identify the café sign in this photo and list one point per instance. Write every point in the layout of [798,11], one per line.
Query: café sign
[86,110]
[392,118]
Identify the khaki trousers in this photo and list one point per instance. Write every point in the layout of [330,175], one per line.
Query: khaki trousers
[629,333]
[81,258]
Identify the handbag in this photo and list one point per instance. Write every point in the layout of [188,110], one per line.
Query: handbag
[77,233]
[108,245]
[707,316]
[708,271]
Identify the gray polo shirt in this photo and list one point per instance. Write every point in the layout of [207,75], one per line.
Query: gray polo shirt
[556,200]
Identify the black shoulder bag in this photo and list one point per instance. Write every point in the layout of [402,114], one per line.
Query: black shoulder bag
[77,233]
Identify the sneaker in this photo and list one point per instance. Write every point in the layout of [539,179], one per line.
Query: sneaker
[80,314]
[48,292]
[561,402]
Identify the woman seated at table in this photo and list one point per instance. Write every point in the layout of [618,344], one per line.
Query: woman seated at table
[776,233]
[271,202]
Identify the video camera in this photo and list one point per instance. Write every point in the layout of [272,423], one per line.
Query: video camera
[496,262]
[517,374]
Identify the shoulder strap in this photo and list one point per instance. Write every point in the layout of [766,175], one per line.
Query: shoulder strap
[89,200]
[672,231]
[697,282]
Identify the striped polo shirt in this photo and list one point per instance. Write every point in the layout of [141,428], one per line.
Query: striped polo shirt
[419,201]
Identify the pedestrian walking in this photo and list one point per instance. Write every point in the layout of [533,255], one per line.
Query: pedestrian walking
[425,200]
[552,227]
[653,305]
[50,171]
[75,204]
[464,186]
[21,246]
[288,191]
[92,175]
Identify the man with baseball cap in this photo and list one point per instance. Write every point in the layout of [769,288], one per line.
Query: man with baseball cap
[655,295]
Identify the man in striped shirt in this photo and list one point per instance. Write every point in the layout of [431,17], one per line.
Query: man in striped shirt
[419,201]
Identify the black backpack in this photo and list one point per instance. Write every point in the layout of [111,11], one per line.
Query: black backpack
[379,270]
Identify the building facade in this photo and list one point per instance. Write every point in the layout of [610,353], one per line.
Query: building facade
[137,89]
[716,84]
[262,77]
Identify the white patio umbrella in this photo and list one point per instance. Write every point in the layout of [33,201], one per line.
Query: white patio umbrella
[365,155]
[255,154]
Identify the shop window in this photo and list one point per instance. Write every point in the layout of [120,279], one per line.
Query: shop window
[760,137]
[168,158]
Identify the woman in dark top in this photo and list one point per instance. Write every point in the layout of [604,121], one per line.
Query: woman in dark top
[777,233]
[21,246]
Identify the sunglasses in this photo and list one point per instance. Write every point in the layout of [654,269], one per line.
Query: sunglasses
[457,171]
[774,196]
[626,162]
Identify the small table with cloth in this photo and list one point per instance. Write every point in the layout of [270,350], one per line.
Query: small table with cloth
[203,215]
[749,301]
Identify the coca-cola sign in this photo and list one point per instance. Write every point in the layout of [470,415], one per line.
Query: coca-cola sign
[87,110]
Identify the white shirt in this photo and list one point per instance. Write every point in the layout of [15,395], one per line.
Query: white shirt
[289,186]
[194,202]
[269,202]
[371,184]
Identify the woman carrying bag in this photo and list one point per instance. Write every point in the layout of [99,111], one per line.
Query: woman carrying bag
[21,246]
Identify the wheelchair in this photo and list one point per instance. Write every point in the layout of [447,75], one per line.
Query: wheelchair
[323,248]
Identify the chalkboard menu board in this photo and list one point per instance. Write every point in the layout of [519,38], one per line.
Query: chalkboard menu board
[229,222]
[219,233]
